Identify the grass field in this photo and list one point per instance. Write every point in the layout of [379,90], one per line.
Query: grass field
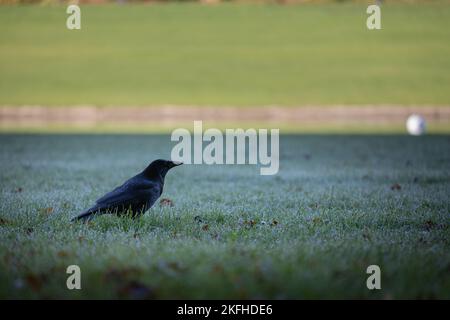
[225,55]
[308,232]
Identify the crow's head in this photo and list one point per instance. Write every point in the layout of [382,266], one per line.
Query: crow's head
[160,167]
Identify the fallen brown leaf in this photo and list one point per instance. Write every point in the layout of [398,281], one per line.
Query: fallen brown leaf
[4,222]
[316,220]
[166,202]
[396,186]
[217,268]
[430,225]
[63,254]
[250,223]
[34,281]
[46,211]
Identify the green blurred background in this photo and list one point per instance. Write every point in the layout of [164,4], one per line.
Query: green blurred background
[231,54]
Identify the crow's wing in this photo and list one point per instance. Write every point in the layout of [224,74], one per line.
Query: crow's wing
[132,191]
[136,192]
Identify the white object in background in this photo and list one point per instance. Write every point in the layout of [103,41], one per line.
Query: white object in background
[415,125]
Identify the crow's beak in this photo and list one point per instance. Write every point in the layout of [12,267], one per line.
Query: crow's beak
[176,163]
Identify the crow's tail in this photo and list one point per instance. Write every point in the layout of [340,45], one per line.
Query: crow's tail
[84,216]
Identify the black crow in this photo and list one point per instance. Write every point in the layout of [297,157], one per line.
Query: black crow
[136,195]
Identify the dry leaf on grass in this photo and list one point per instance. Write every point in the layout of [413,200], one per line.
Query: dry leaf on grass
[46,211]
[429,225]
[4,221]
[396,186]
[166,202]
[63,254]
[35,281]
